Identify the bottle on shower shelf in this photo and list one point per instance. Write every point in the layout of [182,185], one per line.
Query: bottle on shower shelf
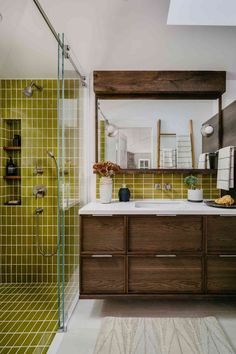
[16,140]
[11,168]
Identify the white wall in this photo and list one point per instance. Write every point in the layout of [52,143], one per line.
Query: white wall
[138,139]
[110,34]
[228,97]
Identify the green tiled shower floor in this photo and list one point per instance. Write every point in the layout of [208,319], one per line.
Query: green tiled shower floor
[28,317]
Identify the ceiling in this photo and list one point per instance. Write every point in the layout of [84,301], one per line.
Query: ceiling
[109,34]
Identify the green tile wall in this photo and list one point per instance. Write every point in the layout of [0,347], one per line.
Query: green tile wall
[72,137]
[71,259]
[38,117]
[102,140]
[142,186]
[20,262]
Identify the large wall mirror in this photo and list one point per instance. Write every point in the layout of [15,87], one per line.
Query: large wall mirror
[151,133]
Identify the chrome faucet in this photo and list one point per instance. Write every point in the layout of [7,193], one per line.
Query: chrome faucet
[39,191]
[167,186]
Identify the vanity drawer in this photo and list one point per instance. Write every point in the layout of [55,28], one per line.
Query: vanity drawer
[221,274]
[165,234]
[103,234]
[151,274]
[102,274]
[221,234]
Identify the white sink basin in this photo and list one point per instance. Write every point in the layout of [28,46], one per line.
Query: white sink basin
[157,204]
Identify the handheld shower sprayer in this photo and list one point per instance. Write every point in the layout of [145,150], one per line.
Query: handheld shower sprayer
[51,155]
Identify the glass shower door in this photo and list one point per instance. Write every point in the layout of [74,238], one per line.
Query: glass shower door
[60,219]
[70,97]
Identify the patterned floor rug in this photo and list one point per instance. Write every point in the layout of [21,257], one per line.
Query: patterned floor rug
[162,336]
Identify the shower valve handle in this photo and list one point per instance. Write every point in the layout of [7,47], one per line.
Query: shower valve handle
[39,191]
[38,210]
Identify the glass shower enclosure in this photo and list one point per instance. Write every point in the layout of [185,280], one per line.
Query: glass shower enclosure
[70,114]
[41,115]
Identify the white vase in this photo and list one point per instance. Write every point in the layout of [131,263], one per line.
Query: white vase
[195,195]
[105,190]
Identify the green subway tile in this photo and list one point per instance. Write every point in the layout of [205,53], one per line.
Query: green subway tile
[143,186]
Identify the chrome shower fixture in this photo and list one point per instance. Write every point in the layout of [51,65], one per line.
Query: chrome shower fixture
[29,90]
[38,210]
[51,154]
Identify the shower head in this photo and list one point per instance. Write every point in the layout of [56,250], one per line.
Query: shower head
[50,154]
[29,90]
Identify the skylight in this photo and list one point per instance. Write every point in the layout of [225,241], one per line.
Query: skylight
[202,12]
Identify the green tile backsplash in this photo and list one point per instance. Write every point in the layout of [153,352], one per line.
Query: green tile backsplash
[142,186]
[102,140]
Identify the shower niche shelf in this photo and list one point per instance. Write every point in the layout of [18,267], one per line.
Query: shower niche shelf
[11,148]
[13,178]
[12,184]
[11,120]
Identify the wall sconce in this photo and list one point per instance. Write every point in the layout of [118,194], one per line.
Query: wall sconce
[112,130]
[207,130]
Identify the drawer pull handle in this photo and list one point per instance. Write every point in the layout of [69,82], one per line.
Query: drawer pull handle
[102,215]
[166,215]
[227,255]
[101,256]
[165,255]
[227,215]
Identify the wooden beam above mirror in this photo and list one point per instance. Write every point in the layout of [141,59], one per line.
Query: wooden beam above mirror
[159,84]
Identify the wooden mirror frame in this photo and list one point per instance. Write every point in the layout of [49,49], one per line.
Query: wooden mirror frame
[169,85]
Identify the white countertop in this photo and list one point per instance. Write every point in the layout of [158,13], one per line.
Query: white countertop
[181,208]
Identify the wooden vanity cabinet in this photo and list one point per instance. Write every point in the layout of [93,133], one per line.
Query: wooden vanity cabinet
[103,248]
[147,255]
[103,274]
[221,234]
[221,255]
[104,234]
[164,274]
[152,234]
[221,274]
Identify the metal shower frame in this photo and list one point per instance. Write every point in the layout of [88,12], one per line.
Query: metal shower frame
[65,48]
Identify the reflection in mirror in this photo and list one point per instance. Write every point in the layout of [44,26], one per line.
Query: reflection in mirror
[150,134]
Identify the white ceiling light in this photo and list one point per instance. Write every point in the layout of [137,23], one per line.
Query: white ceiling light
[202,12]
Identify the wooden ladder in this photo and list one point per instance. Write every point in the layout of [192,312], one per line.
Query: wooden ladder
[160,134]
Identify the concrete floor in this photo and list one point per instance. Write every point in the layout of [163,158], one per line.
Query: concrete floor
[85,322]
